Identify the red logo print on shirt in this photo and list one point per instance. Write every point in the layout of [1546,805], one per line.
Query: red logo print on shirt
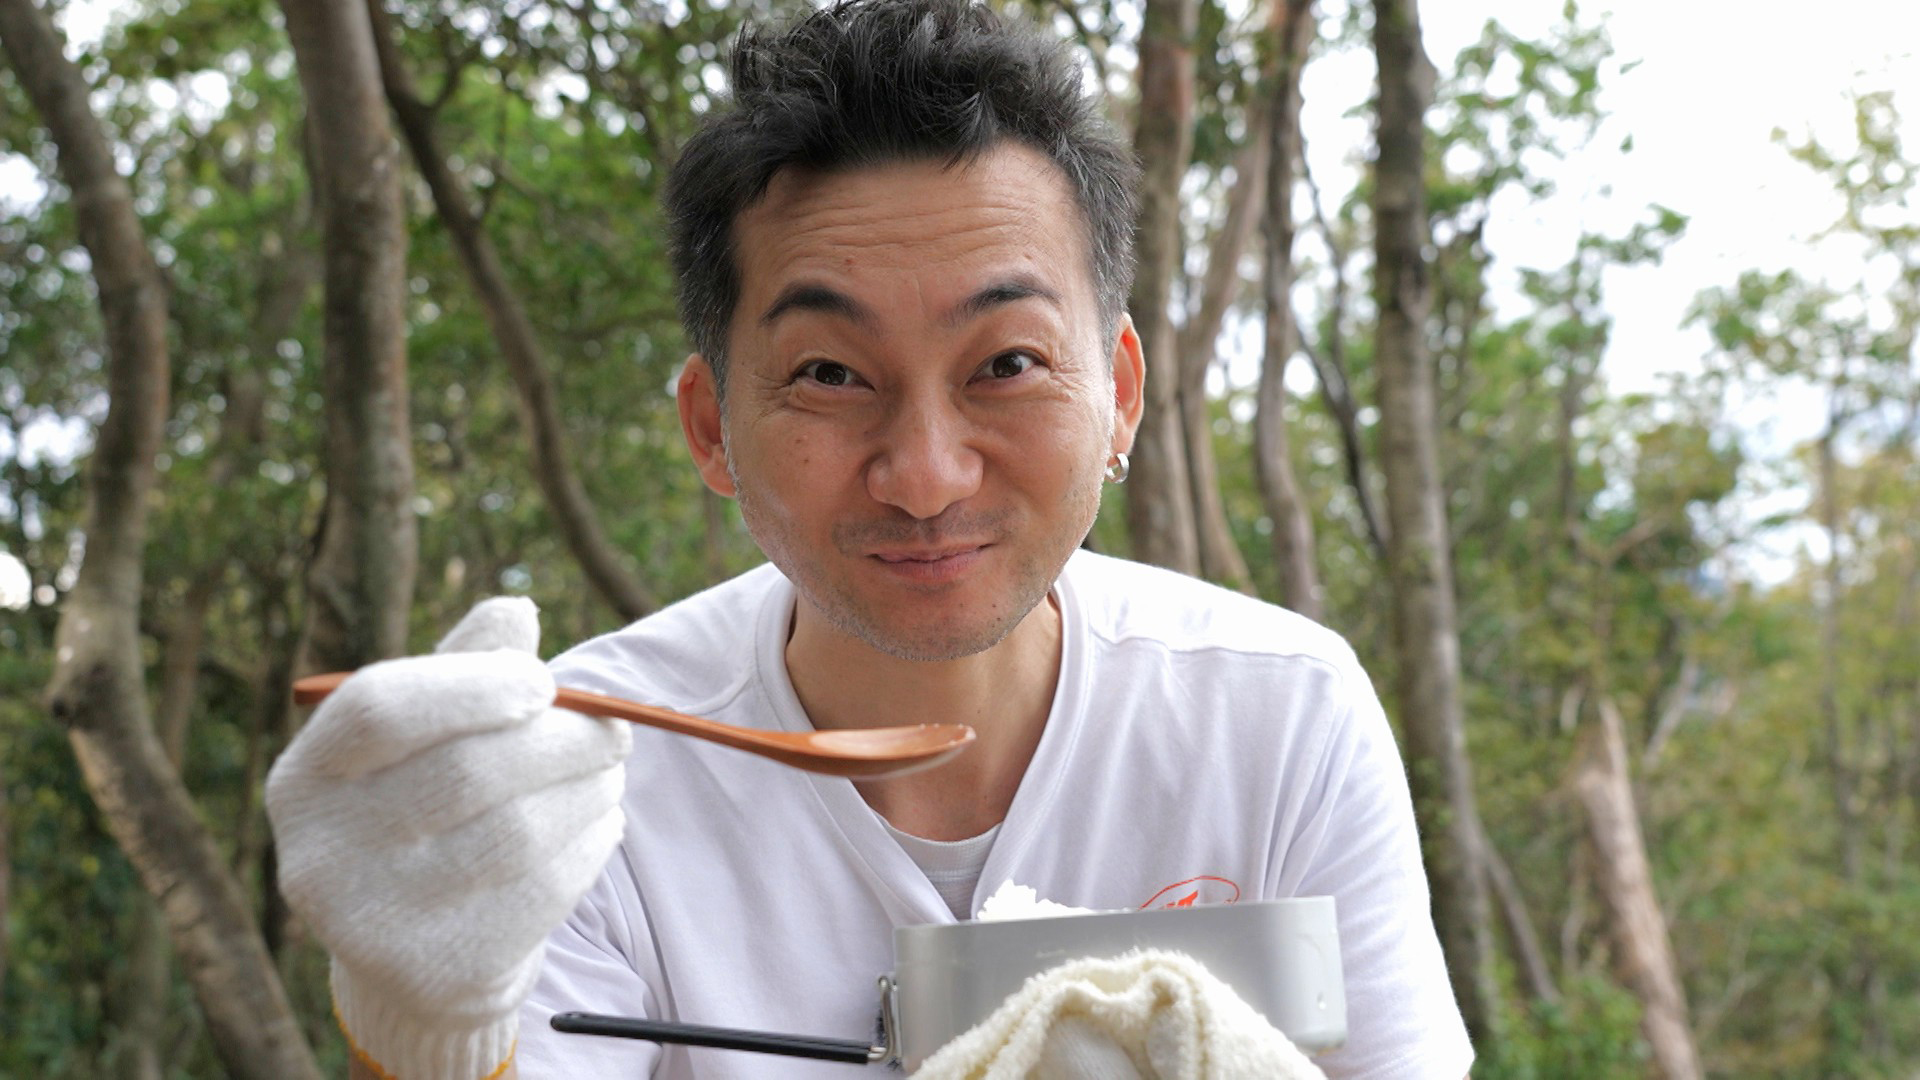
[1205,889]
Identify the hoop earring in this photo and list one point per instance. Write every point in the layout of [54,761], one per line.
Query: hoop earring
[1118,468]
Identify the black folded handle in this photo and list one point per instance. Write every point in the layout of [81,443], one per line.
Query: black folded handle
[764,1042]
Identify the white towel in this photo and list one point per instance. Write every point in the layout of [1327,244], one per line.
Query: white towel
[1169,1017]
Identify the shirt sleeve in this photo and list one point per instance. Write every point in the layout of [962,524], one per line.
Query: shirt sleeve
[1357,842]
[589,967]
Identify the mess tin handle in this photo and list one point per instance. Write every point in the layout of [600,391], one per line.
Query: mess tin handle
[765,1042]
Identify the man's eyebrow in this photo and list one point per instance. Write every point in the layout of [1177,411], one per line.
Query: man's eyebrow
[805,296]
[1012,290]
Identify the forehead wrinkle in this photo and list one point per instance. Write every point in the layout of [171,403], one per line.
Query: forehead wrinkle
[910,226]
[919,237]
[835,275]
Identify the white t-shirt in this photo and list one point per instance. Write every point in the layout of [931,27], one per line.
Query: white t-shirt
[1202,747]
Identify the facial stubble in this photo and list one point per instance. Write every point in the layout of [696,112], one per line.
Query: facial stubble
[1033,578]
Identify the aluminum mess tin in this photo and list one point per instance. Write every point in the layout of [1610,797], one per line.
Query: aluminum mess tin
[1281,956]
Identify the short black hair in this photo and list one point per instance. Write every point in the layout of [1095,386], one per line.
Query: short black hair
[872,82]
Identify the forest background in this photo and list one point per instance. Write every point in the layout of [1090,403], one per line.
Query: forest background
[325,320]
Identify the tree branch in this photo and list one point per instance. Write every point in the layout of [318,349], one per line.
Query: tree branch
[1513,914]
[513,332]
[1336,388]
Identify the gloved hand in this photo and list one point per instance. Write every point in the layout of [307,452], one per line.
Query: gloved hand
[1148,1014]
[1078,1048]
[436,818]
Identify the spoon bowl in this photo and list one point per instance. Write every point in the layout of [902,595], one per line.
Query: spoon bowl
[856,753]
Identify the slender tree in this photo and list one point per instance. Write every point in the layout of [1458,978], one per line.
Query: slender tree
[1598,553]
[1160,497]
[1833,721]
[360,584]
[1293,33]
[144,1028]
[1220,558]
[98,688]
[1425,633]
[1644,951]
[6,883]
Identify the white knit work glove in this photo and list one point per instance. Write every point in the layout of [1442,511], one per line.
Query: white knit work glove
[436,818]
[1146,1015]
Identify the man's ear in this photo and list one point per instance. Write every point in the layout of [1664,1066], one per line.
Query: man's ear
[1129,385]
[699,400]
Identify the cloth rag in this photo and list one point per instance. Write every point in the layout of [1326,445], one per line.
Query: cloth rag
[1167,1014]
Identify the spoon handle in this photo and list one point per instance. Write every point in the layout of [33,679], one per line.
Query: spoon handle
[314,689]
[866,754]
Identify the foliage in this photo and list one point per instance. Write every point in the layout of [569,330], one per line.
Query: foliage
[1596,543]
[1592,1034]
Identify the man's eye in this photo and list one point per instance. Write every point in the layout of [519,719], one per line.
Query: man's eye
[826,373]
[1009,365]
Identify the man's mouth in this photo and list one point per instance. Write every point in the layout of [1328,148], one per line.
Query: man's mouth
[926,555]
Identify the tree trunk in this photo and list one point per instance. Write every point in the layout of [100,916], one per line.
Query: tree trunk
[144,1026]
[139,1001]
[136,1006]
[1639,929]
[1293,549]
[6,879]
[360,583]
[1159,493]
[1845,780]
[267,713]
[1427,682]
[1905,717]
[1219,554]
[1220,558]
[1573,924]
[98,687]
[567,499]
[1221,282]
[180,657]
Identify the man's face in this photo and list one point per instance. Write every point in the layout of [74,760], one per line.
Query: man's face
[920,401]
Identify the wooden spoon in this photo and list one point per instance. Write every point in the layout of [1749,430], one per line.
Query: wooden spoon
[859,753]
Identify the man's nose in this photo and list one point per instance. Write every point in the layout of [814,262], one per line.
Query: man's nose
[926,462]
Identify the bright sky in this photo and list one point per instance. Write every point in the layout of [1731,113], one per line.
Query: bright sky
[15,586]
[1714,79]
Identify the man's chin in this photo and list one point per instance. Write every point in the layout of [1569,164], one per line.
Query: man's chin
[927,645]
[932,639]
[937,625]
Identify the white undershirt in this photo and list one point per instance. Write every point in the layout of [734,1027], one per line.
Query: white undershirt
[953,866]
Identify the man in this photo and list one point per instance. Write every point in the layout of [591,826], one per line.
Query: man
[904,258]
